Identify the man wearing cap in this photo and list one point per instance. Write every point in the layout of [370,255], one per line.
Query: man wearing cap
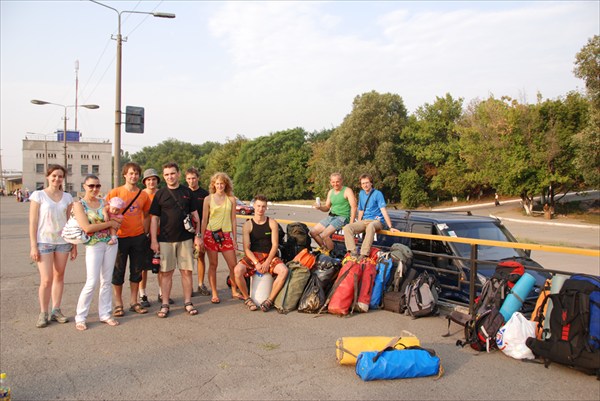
[150,181]
[191,177]
[132,239]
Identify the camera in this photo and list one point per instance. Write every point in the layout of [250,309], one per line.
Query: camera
[218,236]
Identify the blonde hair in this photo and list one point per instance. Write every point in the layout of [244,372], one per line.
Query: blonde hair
[223,177]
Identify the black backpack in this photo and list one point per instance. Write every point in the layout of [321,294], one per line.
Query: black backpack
[574,325]
[497,288]
[297,239]
[480,332]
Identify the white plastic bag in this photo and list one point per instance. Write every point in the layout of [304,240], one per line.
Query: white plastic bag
[512,336]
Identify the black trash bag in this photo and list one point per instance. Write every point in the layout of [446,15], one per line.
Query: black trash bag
[321,280]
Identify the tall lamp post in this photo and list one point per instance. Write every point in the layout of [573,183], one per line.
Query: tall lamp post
[87,106]
[119,39]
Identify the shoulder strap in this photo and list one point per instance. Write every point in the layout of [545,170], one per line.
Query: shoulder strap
[131,203]
[368,197]
[175,199]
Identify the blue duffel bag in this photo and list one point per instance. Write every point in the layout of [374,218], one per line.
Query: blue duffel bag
[393,363]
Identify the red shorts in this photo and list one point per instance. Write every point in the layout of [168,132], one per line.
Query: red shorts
[226,243]
[251,269]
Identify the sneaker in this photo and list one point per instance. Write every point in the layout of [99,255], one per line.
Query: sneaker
[144,301]
[202,290]
[57,316]
[171,302]
[323,251]
[42,320]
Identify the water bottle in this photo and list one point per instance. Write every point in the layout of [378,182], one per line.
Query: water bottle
[318,201]
[4,388]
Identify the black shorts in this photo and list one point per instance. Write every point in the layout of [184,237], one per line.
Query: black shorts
[134,249]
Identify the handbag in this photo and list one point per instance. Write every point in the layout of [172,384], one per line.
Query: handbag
[187,219]
[73,233]
[393,363]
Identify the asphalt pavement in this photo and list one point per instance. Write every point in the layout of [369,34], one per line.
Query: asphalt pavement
[227,352]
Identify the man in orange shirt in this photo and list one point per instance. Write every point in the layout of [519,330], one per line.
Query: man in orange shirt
[132,238]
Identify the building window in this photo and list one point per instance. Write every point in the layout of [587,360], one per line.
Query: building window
[39,168]
[84,169]
[70,169]
[95,169]
[39,186]
[69,187]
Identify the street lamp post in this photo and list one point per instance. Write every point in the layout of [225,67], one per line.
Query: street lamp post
[87,106]
[119,39]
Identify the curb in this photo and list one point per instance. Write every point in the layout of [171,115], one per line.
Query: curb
[546,223]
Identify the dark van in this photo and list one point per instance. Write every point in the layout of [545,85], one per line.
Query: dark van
[449,261]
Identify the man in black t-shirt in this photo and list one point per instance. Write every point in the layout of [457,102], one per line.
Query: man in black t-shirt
[191,177]
[174,243]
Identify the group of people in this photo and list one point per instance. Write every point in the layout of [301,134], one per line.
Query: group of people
[147,230]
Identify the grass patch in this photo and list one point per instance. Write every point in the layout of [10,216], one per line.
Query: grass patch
[270,346]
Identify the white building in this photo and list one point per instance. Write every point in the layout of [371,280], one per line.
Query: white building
[87,156]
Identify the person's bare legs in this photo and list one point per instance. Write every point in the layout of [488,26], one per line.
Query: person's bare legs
[281,271]
[231,261]
[58,278]
[213,262]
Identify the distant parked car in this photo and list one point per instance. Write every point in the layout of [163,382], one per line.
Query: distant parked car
[242,208]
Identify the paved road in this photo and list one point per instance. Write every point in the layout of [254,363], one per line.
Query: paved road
[228,353]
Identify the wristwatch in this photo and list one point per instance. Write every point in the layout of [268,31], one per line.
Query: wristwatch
[199,235]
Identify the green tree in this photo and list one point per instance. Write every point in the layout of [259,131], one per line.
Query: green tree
[274,165]
[222,158]
[367,141]
[587,141]
[412,189]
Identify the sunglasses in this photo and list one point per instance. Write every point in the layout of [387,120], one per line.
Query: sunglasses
[94,186]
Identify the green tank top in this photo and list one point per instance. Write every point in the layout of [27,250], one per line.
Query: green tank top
[340,205]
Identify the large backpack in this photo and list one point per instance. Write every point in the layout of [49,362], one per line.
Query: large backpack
[382,279]
[367,281]
[495,290]
[322,277]
[480,332]
[574,326]
[344,293]
[297,239]
[291,292]
[421,296]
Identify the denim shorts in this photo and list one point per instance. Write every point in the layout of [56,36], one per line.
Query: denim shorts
[45,248]
[335,221]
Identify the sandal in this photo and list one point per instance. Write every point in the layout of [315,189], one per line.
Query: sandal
[266,305]
[81,326]
[191,311]
[118,311]
[250,304]
[137,308]
[164,311]
[215,300]
[110,322]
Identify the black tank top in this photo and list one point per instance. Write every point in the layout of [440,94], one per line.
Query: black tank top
[260,237]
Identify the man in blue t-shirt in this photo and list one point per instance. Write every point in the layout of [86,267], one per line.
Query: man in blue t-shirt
[372,215]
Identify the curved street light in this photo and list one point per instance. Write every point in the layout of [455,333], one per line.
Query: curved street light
[87,106]
[119,39]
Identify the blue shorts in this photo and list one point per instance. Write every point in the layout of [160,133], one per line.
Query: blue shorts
[336,221]
[45,248]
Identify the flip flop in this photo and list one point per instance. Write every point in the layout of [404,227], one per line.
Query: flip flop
[81,326]
[215,300]
[110,322]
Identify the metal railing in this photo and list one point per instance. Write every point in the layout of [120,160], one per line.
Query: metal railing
[472,260]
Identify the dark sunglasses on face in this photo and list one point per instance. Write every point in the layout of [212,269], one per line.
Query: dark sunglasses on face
[94,186]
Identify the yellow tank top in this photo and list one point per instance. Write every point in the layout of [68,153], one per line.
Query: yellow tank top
[220,216]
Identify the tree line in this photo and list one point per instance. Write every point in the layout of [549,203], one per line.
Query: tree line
[445,149]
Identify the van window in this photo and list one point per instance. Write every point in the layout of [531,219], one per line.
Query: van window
[481,230]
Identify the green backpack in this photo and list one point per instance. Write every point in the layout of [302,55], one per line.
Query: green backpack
[289,296]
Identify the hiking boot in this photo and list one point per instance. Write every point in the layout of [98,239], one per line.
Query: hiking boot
[57,316]
[144,301]
[202,290]
[42,320]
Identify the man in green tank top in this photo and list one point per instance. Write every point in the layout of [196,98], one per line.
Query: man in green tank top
[341,206]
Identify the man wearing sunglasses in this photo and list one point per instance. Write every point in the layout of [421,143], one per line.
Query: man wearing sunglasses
[132,239]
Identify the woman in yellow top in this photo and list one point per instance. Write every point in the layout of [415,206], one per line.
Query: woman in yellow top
[218,230]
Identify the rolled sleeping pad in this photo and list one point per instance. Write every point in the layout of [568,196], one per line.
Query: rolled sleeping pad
[557,282]
[260,287]
[514,300]
[348,348]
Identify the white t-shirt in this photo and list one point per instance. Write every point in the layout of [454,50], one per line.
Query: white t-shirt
[52,217]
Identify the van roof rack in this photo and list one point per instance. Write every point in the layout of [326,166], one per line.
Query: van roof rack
[467,212]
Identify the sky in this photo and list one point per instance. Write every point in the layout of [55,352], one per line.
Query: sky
[222,69]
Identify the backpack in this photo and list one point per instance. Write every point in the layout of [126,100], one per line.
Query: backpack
[541,307]
[421,296]
[322,277]
[574,326]
[281,241]
[344,293]
[382,279]
[495,290]
[291,292]
[297,239]
[480,332]
[367,281]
